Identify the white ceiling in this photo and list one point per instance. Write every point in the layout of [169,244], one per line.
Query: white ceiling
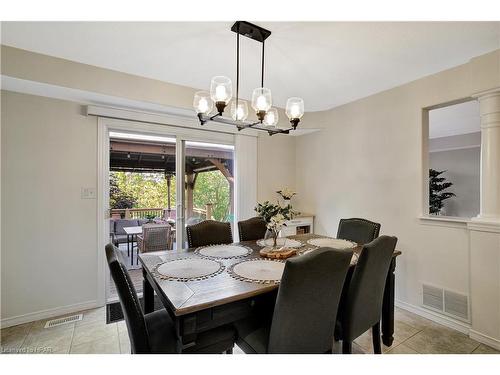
[326,63]
[453,120]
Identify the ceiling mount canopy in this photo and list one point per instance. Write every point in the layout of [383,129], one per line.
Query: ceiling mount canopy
[221,92]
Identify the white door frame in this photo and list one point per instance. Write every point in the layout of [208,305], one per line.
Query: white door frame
[104,126]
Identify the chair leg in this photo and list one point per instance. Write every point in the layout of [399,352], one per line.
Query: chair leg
[346,347]
[377,346]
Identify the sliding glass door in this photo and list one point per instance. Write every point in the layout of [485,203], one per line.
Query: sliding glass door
[208,184]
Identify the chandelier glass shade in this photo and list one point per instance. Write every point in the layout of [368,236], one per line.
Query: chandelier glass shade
[240,113]
[202,102]
[271,118]
[261,101]
[294,110]
[221,93]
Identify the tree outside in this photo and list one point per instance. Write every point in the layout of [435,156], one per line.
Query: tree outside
[149,190]
[213,187]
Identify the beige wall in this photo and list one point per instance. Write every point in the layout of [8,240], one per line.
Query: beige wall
[276,165]
[367,162]
[49,257]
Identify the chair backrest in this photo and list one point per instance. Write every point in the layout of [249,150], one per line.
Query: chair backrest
[358,230]
[209,232]
[363,306]
[122,223]
[306,306]
[129,301]
[252,229]
[156,237]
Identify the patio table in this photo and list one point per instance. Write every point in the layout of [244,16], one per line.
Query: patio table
[131,232]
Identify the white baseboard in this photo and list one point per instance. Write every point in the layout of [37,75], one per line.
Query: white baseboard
[484,339]
[450,323]
[435,317]
[45,314]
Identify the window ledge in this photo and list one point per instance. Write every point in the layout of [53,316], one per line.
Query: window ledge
[445,221]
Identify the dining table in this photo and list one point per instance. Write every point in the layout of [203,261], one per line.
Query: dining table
[202,303]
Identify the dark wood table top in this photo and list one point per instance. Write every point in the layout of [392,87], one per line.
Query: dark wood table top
[191,296]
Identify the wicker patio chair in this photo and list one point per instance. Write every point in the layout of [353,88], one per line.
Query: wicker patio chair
[155,237]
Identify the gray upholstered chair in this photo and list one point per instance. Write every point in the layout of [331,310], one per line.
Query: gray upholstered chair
[362,308]
[155,237]
[155,332]
[209,232]
[252,229]
[306,307]
[358,230]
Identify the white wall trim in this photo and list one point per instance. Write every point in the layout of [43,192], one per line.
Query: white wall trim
[484,339]
[173,119]
[46,314]
[483,226]
[102,215]
[445,221]
[454,148]
[435,317]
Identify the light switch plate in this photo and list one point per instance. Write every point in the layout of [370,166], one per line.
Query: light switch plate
[89,193]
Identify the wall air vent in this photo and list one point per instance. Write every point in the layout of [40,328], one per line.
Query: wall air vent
[432,297]
[450,303]
[456,305]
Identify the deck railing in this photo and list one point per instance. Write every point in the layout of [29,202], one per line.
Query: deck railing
[143,213]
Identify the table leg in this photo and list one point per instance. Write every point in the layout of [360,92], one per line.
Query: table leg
[388,307]
[128,245]
[132,250]
[148,294]
[137,247]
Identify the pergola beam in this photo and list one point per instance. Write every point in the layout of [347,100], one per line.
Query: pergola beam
[156,149]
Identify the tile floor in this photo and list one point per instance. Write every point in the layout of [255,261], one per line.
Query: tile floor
[413,335]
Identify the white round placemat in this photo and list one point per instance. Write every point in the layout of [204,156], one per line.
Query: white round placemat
[281,241]
[260,271]
[332,242]
[223,251]
[186,269]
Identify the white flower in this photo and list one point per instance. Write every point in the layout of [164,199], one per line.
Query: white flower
[286,193]
[276,222]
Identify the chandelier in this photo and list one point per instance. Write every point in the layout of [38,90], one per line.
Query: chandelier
[221,91]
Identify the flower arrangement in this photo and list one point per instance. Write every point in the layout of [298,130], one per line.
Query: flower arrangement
[276,214]
[286,193]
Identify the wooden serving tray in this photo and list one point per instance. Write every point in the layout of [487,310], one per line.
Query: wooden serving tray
[270,253]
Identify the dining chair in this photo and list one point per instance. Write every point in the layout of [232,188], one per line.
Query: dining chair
[304,314]
[209,232]
[155,332]
[362,308]
[155,237]
[358,230]
[252,229]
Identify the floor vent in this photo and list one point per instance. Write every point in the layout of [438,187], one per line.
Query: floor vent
[65,320]
[450,303]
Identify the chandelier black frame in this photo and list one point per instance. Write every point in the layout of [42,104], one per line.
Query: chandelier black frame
[258,34]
